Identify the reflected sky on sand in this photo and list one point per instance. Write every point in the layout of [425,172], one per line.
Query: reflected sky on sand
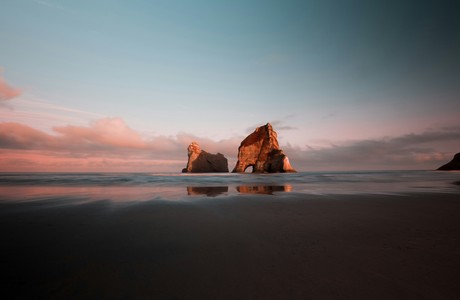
[213,191]
[62,188]
[120,194]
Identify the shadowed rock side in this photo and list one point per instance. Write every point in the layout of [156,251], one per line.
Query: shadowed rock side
[260,150]
[200,161]
[454,164]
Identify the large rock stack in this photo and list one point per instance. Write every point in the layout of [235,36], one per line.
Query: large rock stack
[260,150]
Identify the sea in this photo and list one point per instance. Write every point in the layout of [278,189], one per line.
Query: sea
[74,188]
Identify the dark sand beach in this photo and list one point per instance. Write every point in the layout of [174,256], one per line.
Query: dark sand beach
[290,246]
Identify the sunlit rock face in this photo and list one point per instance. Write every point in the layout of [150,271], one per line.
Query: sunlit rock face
[200,161]
[454,164]
[260,150]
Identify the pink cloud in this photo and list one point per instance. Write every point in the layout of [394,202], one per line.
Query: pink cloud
[51,161]
[105,145]
[111,145]
[19,136]
[103,134]
[111,132]
[7,92]
[426,150]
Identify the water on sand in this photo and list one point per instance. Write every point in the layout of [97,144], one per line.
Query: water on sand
[126,187]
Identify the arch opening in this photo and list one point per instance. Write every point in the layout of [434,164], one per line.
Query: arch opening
[249,169]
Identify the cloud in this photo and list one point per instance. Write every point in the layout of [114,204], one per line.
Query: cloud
[39,161]
[19,136]
[278,125]
[41,114]
[280,128]
[105,133]
[419,151]
[107,143]
[7,92]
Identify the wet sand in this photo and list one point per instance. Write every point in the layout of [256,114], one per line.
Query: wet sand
[235,247]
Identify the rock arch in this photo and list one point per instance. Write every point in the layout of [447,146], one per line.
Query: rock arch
[261,150]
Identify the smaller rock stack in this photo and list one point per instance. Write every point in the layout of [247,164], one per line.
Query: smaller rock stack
[200,161]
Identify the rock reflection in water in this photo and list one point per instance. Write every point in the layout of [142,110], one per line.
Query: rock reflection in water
[263,189]
[210,191]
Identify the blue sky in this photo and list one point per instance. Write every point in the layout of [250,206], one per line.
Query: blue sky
[328,74]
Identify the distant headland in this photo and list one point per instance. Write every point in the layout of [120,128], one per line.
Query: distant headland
[453,165]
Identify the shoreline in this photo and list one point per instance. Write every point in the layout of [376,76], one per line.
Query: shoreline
[236,247]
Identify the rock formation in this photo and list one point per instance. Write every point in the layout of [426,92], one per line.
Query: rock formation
[260,150]
[200,161]
[454,164]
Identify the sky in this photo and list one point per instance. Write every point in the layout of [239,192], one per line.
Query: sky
[126,86]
